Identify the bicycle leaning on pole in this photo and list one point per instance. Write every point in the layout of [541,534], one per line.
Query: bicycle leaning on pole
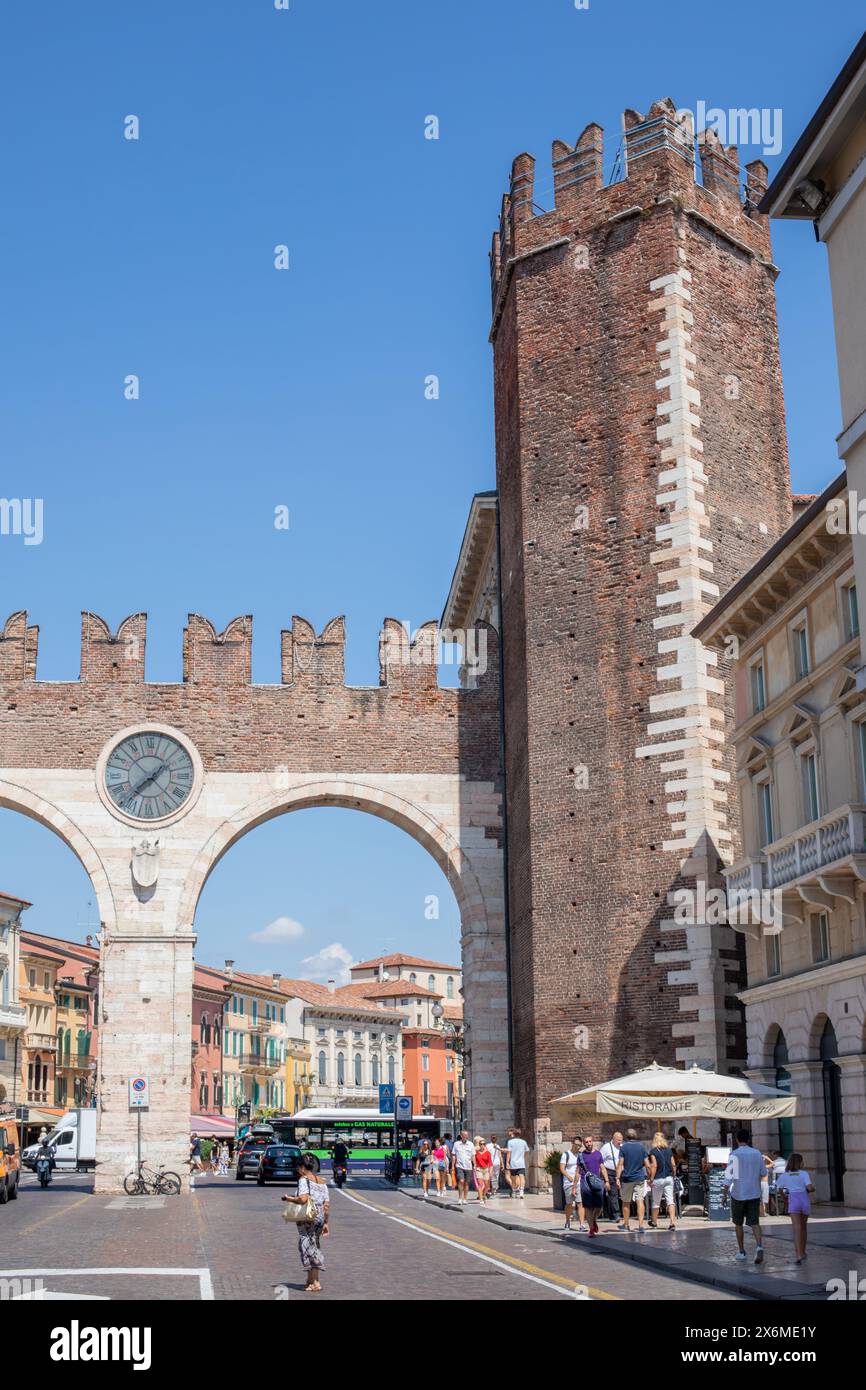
[147,1181]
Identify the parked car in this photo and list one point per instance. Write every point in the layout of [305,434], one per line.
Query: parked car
[10,1160]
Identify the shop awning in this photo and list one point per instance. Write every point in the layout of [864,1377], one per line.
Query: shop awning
[206,1125]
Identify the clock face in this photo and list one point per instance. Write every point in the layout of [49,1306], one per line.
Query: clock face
[149,776]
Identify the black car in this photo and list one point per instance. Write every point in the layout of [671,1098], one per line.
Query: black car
[279,1163]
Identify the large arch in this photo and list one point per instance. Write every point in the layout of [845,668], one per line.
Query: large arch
[27,803]
[352,795]
[424,757]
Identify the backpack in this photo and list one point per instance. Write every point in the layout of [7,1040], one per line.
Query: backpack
[592,1181]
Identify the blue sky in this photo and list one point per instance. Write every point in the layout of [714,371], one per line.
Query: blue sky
[305,387]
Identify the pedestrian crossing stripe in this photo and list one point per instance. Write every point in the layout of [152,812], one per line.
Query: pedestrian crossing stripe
[563,1284]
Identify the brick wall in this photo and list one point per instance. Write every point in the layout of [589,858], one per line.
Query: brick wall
[578,385]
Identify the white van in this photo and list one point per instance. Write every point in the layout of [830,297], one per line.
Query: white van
[73,1142]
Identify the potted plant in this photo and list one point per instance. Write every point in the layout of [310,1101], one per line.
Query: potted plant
[551,1168]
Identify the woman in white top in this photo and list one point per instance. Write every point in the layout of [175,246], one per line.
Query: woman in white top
[310,1232]
[798,1184]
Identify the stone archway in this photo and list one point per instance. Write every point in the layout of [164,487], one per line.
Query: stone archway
[424,757]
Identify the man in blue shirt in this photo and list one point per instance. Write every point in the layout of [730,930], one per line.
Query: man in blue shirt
[631,1172]
[743,1179]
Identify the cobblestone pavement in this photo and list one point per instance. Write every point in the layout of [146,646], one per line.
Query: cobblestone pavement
[228,1242]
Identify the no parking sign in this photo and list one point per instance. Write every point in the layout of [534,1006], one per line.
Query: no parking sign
[139,1093]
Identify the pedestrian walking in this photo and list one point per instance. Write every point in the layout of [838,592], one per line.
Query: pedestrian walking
[610,1158]
[449,1171]
[496,1165]
[425,1166]
[310,1233]
[483,1168]
[631,1171]
[441,1164]
[743,1179]
[214,1155]
[516,1152]
[797,1183]
[660,1171]
[593,1184]
[195,1162]
[463,1160]
[569,1171]
[224,1159]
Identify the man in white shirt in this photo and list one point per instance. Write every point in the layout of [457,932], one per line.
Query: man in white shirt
[610,1158]
[463,1159]
[743,1179]
[570,1177]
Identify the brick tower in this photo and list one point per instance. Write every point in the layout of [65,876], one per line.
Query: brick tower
[641,468]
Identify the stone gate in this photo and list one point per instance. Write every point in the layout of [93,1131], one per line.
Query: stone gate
[209,759]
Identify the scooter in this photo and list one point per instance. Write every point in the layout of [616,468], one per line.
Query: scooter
[44,1165]
[341,1174]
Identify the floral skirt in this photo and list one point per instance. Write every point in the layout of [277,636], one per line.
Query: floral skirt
[309,1243]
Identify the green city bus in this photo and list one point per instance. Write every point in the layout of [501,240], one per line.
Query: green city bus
[368,1135]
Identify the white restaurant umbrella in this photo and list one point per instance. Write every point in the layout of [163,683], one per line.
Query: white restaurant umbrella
[669,1093]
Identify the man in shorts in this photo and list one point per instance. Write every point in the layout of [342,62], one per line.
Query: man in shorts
[631,1171]
[743,1179]
[515,1161]
[463,1159]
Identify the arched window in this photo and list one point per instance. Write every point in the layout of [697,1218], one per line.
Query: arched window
[204,1031]
[82,1043]
[377,1067]
[341,1069]
[431,982]
[449,987]
[392,1070]
[357,1068]
[216,1030]
[413,978]
[323,1069]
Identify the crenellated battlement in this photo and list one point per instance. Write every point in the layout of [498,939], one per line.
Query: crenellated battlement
[660,159]
[213,658]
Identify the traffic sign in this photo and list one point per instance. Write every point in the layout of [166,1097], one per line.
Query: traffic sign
[387,1094]
[139,1093]
[403,1109]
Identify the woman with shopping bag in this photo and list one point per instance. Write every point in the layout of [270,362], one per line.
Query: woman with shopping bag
[310,1210]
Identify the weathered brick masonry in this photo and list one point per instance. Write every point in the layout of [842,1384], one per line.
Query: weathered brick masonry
[636,375]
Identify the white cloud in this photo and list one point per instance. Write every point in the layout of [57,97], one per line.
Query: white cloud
[282,929]
[331,963]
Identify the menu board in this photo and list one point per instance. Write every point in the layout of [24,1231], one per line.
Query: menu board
[694,1153]
[719,1209]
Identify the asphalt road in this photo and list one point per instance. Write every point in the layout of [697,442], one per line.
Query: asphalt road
[228,1241]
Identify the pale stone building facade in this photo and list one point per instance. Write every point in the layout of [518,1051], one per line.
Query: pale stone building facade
[354,1045]
[793,628]
[13,1014]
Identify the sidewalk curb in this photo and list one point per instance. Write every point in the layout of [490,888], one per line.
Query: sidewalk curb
[764,1288]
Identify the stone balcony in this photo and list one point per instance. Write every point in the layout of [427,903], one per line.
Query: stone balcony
[817,864]
[257,1064]
[13,1016]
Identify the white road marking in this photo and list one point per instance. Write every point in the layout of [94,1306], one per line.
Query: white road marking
[205,1283]
[466,1250]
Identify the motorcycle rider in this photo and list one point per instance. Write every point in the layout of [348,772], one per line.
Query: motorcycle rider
[44,1161]
[340,1157]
